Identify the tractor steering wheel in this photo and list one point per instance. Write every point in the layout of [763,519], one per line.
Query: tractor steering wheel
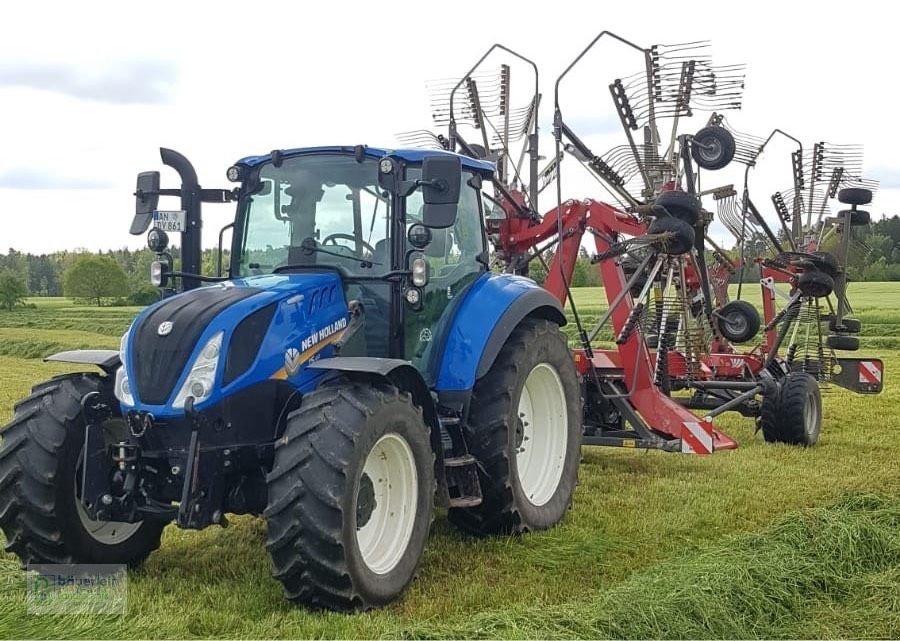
[333,237]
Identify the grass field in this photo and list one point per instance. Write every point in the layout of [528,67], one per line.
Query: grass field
[762,541]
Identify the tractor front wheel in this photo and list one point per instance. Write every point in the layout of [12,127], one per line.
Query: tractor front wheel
[350,496]
[524,428]
[41,513]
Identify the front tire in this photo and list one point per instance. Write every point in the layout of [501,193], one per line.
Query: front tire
[350,497]
[40,512]
[524,428]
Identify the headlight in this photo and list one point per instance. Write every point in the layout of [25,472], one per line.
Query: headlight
[200,379]
[122,389]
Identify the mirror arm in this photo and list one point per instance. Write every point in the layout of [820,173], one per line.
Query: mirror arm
[409,186]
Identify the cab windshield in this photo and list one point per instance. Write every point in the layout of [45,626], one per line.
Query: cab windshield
[317,210]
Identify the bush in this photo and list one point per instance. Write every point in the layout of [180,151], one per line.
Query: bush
[12,289]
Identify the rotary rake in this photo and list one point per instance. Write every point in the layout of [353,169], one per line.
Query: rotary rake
[674,328]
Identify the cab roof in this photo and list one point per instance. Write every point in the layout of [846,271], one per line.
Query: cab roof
[410,155]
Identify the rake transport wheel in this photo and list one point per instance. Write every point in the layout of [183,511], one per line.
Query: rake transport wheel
[849,325]
[681,205]
[680,235]
[843,343]
[826,262]
[738,321]
[855,196]
[41,513]
[815,284]
[350,496]
[713,148]
[793,414]
[524,428]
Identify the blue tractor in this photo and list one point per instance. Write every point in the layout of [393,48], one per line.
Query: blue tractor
[358,364]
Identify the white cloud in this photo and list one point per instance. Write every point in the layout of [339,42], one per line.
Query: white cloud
[239,79]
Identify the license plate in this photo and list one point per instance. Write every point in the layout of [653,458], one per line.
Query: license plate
[170,220]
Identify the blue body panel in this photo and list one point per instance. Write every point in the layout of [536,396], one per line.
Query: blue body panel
[407,155]
[296,319]
[485,302]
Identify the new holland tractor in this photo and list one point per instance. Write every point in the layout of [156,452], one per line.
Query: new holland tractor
[358,365]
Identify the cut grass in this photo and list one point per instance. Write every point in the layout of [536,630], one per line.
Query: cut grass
[769,584]
[638,518]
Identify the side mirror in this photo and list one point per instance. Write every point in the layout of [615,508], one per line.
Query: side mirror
[441,178]
[146,200]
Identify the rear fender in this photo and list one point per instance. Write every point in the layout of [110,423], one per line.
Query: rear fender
[493,308]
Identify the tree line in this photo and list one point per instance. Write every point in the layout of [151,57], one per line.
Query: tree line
[122,276]
[115,277]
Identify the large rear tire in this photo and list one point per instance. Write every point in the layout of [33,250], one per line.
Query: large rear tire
[350,497]
[40,460]
[524,428]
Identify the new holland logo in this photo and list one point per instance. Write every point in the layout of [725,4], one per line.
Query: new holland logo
[292,361]
[165,328]
[323,333]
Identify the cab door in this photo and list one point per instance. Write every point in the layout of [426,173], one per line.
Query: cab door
[456,258]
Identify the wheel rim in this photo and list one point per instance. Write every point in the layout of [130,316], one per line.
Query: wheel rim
[810,414]
[542,434]
[711,151]
[737,323]
[105,532]
[386,503]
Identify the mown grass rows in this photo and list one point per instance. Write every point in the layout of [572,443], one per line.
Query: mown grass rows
[656,545]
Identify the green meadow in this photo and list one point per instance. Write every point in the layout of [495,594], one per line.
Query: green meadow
[763,541]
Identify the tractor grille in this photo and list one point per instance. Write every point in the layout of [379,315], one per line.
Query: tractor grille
[158,361]
[245,342]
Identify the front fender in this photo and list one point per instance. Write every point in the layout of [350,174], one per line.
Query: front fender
[493,307]
[105,359]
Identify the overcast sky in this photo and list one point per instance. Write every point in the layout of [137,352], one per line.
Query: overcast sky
[91,90]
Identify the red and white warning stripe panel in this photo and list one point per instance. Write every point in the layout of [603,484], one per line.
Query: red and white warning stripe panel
[697,438]
[870,372]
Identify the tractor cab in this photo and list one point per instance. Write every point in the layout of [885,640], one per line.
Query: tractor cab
[401,229]
[368,215]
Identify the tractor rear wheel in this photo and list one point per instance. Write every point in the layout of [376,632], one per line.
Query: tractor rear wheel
[524,428]
[350,496]
[40,479]
[793,414]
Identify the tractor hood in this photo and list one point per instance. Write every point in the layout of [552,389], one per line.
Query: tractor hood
[213,341]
